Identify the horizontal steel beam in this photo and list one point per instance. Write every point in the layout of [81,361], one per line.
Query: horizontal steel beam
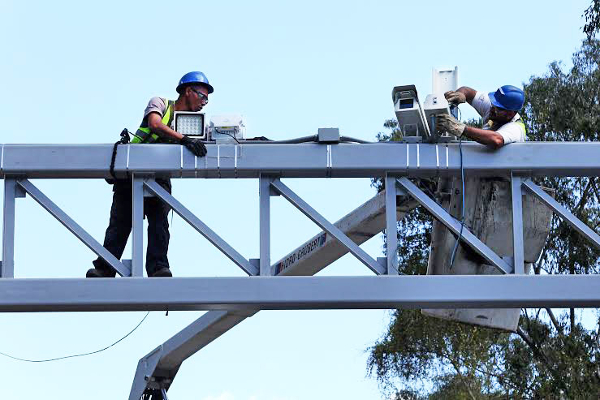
[302,160]
[278,293]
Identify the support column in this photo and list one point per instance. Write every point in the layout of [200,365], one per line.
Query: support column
[137,226]
[517,225]
[7,268]
[265,224]
[390,226]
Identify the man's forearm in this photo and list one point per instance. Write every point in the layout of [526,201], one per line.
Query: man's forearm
[486,137]
[158,128]
[468,92]
[164,131]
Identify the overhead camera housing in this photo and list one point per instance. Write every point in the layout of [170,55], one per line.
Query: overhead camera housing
[417,122]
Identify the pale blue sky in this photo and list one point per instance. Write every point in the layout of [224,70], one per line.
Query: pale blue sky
[78,72]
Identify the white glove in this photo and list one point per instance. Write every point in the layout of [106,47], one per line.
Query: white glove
[454,97]
[447,123]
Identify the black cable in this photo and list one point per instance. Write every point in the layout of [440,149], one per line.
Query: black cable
[351,139]
[264,140]
[303,139]
[228,134]
[462,222]
[77,355]
[124,140]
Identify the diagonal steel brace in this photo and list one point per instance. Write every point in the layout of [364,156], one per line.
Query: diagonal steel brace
[201,227]
[451,223]
[72,226]
[327,226]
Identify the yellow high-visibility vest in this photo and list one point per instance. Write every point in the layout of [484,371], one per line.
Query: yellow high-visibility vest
[143,134]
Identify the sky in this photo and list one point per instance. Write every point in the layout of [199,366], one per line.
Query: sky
[79,72]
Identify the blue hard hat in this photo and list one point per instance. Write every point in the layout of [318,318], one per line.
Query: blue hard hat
[508,97]
[194,78]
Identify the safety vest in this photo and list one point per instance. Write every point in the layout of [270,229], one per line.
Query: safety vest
[520,122]
[143,134]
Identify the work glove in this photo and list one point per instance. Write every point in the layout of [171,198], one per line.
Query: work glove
[455,98]
[447,123]
[194,145]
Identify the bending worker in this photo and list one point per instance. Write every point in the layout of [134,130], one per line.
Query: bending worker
[499,110]
[156,127]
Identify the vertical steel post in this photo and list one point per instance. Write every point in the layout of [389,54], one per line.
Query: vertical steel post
[517,224]
[265,224]
[7,269]
[390,226]
[137,226]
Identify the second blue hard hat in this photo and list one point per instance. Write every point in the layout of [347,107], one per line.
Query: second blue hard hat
[194,78]
[508,97]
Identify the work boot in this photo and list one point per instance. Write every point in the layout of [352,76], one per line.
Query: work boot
[163,272]
[99,273]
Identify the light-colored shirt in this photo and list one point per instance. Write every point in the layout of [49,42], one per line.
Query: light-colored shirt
[511,131]
[157,105]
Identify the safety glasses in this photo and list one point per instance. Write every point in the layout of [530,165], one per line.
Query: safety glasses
[202,96]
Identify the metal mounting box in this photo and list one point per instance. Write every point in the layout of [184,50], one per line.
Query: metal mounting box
[435,104]
[226,127]
[328,135]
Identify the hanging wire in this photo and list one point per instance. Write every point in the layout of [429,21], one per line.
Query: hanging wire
[222,132]
[462,219]
[77,355]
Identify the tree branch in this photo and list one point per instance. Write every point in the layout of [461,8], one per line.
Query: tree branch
[526,339]
[497,376]
[527,320]
[584,196]
[548,310]
[537,352]
[595,188]
[572,310]
[554,321]
[461,377]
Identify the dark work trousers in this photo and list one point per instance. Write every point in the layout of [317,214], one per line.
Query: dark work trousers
[119,227]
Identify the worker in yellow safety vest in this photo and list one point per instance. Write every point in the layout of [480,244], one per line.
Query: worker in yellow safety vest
[156,127]
[499,110]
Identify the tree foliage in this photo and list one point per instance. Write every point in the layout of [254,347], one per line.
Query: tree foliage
[592,19]
[550,356]
[565,106]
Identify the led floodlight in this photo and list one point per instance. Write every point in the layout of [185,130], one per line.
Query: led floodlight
[190,123]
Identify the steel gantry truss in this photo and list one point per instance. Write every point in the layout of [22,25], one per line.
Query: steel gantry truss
[272,285]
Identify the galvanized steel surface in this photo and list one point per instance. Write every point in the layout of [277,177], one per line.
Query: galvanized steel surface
[294,293]
[342,160]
